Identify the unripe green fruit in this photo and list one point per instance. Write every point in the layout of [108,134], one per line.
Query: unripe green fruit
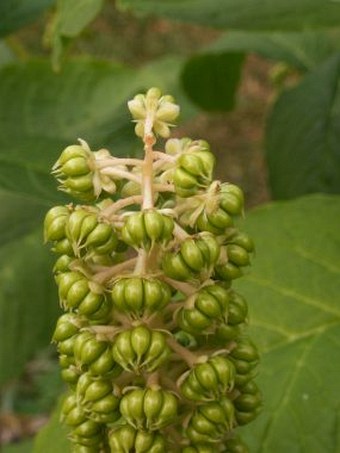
[66,332]
[231,199]
[85,432]
[227,271]
[126,439]
[76,293]
[139,296]
[98,399]
[195,258]
[242,240]
[238,309]
[87,234]
[140,349]
[144,229]
[210,305]
[95,355]
[148,409]
[63,247]
[73,171]
[211,421]
[55,223]
[215,222]
[62,265]
[210,380]
[245,350]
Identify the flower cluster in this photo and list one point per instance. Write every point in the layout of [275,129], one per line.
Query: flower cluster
[152,344]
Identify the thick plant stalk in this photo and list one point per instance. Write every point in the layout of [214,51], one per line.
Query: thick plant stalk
[153,342]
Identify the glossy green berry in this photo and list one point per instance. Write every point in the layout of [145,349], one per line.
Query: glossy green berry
[66,332]
[241,239]
[87,234]
[140,296]
[140,349]
[231,199]
[144,229]
[95,355]
[74,171]
[126,439]
[211,421]
[210,380]
[55,223]
[202,311]
[195,258]
[237,310]
[245,350]
[84,431]
[248,403]
[98,398]
[148,409]
[87,298]
[215,222]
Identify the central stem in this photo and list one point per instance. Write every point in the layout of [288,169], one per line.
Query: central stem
[147,169]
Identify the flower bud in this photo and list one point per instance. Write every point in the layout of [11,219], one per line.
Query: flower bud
[161,109]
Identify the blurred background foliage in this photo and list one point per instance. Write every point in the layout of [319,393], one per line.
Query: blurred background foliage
[259,81]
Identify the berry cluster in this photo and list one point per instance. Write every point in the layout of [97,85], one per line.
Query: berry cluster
[152,341]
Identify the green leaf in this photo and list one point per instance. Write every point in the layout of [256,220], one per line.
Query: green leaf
[211,80]
[28,307]
[40,114]
[303,50]
[303,135]
[243,14]
[70,19]
[17,13]
[54,433]
[36,123]
[293,293]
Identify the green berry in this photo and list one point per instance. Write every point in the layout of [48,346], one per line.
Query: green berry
[140,349]
[148,409]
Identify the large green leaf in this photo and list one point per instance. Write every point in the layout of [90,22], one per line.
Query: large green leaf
[303,50]
[244,14]
[211,80]
[69,20]
[303,135]
[28,301]
[293,294]
[42,112]
[17,13]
